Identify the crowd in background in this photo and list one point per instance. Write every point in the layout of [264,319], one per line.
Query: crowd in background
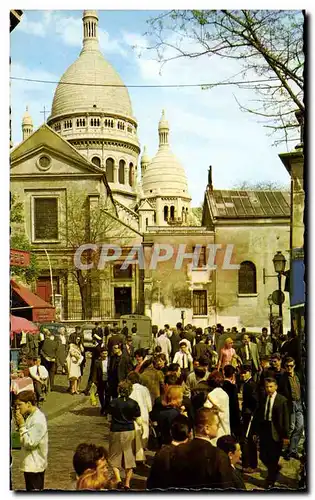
[208,402]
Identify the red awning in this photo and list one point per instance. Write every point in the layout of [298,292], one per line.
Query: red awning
[18,325]
[41,310]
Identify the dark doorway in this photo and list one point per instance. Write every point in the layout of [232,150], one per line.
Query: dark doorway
[43,288]
[122,297]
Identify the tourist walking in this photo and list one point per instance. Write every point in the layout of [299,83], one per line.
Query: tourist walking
[124,412]
[32,426]
[74,360]
[219,400]
[271,423]
[249,407]
[227,355]
[141,394]
[49,354]
[198,464]
[290,386]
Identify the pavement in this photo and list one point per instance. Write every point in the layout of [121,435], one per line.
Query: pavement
[72,420]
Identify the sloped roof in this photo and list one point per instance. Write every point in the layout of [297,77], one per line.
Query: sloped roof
[245,204]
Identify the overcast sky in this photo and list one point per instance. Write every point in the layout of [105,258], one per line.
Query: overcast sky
[206,126]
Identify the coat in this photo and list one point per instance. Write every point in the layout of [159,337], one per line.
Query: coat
[62,352]
[250,397]
[221,399]
[234,408]
[280,419]
[199,464]
[175,340]
[74,360]
[284,388]
[141,395]
[253,349]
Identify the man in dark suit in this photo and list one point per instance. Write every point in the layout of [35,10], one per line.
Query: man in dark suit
[249,407]
[124,330]
[232,448]
[291,388]
[190,335]
[118,369]
[100,378]
[272,424]
[159,476]
[230,388]
[198,464]
[175,340]
[249,355]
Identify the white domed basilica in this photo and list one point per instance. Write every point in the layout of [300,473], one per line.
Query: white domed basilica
[90,146]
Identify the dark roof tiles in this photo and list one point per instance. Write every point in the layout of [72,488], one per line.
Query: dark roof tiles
[243,204]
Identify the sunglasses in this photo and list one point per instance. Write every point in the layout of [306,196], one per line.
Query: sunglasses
[289,366]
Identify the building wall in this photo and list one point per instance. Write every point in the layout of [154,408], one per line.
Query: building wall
[168,291]
[257,243]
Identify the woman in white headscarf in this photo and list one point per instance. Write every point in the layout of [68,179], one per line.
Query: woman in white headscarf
[141,394]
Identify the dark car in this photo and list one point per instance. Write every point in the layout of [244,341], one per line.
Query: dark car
[52,327]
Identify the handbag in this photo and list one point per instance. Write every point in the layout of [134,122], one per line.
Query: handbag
[93,390]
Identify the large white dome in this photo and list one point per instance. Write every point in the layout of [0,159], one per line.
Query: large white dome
[98,87]
[165,176]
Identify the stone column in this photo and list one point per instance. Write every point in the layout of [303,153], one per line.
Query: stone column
[115,173]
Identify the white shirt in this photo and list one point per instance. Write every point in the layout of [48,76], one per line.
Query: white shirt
[164,342]
[183,359]
[272,400]
[43,373]
[104,368]
[34,442]
[63,339]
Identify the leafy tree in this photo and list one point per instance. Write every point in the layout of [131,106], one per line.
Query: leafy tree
[19,241]
[268,45]
[86,223]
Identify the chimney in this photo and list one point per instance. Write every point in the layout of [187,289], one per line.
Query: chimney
[210,186]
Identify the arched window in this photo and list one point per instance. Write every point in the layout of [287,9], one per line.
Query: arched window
[172,212]
[165,212]
[110,169]
[121,172]
[96,160]
[131,174]
[247,278]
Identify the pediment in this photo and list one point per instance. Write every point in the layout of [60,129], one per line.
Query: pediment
[146,205]
[46,153]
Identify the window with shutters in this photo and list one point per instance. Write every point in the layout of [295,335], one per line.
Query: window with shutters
[200,303]
[45,219]
[247,278]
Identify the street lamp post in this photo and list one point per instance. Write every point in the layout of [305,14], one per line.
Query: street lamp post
[270,302]
[279,262]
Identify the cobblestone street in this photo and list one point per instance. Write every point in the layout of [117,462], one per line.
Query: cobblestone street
[72,420]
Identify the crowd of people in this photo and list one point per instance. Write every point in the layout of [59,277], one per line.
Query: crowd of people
[208,409]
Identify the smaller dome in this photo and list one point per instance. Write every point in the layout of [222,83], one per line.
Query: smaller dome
[27,119]
[164,175]
[145,157]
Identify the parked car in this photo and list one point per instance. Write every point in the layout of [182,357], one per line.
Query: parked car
[87,336]
[52,327]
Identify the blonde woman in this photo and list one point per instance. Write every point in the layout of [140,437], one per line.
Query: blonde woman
[228,355]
